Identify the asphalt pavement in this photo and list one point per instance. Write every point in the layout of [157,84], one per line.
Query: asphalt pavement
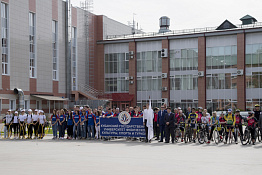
[121,157]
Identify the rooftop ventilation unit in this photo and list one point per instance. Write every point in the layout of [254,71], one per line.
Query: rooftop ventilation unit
[164,23]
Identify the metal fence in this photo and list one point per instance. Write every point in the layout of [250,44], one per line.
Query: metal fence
[91,103]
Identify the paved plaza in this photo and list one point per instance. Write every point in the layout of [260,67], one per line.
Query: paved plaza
[126,157]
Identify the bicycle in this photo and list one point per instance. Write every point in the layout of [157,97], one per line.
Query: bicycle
[178,132]
[202,135]
[216,134]
[230,134]
[246,136]
[188,133]
[258,134]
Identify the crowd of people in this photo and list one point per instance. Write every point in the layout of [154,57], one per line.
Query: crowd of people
[84,122]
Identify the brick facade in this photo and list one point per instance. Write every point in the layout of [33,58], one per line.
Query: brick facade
[202,67]
[132,73]
[241,83]
[165,69]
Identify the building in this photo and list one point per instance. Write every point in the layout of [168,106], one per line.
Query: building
[48,53]
[216,68]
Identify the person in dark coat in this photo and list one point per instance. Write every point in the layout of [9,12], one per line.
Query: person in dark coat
[161,122]
[170,127]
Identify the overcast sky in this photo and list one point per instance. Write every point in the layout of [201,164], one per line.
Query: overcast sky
[184,14]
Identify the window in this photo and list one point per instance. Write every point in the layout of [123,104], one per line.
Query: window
[12,104]
[32,49]
[183,59]
[74,59]
[38,105]
[149,61]
[5,32]
[0,104]
[184,82]
[221,81]
[27,104]
[117,63]
[54,45]
[254,80]
[221,57]
[118,84]
[149,83]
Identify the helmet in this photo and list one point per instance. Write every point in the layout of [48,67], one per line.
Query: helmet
[257,105]
[237,110]
[229,110]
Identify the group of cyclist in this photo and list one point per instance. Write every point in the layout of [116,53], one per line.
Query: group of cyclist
[225,123]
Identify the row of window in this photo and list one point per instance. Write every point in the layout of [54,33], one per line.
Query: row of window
[74,59]
[32,43]
[12,104]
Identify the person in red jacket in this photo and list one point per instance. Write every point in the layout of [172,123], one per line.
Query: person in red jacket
[156,128]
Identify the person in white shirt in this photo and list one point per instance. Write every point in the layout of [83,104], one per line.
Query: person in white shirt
[7,127]
[42,120]
[205,122]
[208,115]
[15,123]
[29,124]
[35,123]
[22,122]
[148,120]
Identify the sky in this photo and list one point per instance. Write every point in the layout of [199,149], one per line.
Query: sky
[183,14]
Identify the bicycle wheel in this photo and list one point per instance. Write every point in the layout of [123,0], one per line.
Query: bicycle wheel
[246,137]
[259,135]
[201,137]
[216,136]
[177,134]
[186,137]
[230,137]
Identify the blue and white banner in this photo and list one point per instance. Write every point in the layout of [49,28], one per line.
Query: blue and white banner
[123,126]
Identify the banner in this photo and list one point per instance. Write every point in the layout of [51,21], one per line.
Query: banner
[123,126]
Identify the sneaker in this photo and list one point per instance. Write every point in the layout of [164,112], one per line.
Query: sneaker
[225,142]
[253,143]
[182,140]
[208,142]
[221,137]
[194,141]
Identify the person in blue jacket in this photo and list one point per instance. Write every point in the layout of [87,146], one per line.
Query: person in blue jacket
[161,122]
[61,124]
[54,119]
[76,130]
[82,124]
[70,125]
[91,124]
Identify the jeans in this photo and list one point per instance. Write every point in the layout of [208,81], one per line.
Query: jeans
[91,128]
[76,131]
[5,131]
[97,132]
[83,131]
[54,127]
[61,130]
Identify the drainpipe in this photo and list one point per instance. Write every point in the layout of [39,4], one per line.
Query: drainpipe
[21,98]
